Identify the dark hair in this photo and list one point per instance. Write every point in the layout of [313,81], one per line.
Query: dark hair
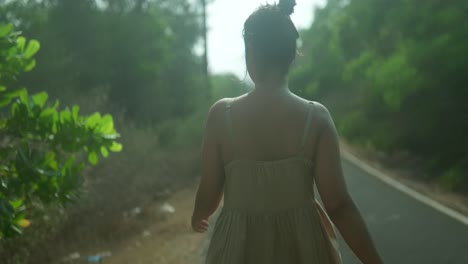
[272,35]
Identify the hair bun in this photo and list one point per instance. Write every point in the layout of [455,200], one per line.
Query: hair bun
[287,6]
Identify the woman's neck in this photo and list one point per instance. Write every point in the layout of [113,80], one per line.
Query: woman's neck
[272,86]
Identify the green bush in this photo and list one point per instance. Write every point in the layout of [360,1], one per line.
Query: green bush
[40,161]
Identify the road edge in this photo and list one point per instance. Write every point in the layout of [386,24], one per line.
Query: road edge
[403,188]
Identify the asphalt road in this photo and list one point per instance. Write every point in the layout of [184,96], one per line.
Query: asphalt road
[404,230]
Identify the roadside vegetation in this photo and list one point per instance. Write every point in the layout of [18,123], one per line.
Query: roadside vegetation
[393,74]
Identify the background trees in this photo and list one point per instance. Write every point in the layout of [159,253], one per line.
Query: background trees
[394,73]
[138,54]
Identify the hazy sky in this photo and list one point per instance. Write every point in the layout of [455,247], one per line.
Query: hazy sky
[225,22]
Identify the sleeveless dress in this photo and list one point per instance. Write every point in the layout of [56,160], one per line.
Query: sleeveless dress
[270,215]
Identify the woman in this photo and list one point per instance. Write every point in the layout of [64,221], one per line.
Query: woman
[265,151]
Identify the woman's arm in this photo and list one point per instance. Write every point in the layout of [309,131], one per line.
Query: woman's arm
[210,189]
[335,197]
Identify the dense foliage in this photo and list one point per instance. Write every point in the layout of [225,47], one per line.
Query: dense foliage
[38,153]
[394,74]
[135,59]
[137,54]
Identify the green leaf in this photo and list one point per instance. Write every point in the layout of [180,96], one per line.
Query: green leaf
[16,204]
[56,104]
[65,115]
[51,112]
[16,93]
[93,120]
[14,108]
[5,30]
[54,126]
[50,161]
[93,158]
[20,43]
[5,101]
[104,152]
[23,94]
[75,112]
[48,112]
[116,147]
[107,125]
[30,66]
[68,164]
[5,98]
[18,217]
[32,49]
[40,99]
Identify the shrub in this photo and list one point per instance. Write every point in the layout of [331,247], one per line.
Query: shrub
[42,147]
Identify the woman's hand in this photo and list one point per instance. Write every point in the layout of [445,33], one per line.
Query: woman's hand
[200,225]
[210,188]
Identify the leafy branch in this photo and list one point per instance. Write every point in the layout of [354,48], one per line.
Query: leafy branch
[40,144]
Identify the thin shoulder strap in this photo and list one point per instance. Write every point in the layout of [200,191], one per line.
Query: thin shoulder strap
[228,117]
[307,126]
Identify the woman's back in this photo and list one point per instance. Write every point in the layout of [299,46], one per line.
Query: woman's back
[269,214]
[268,127]
[269,169]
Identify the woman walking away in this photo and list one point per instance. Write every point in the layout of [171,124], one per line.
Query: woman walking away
[264,151]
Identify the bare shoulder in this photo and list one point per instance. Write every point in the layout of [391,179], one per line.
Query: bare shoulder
[218,106]
[325,120]
[221,104]
[322,111]
[215,114]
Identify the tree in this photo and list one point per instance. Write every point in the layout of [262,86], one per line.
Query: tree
[138,54]
[393,73]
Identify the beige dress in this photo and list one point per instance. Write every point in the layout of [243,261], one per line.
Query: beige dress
[270,215]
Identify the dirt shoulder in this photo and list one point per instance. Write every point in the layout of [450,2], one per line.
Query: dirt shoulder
[166,239]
